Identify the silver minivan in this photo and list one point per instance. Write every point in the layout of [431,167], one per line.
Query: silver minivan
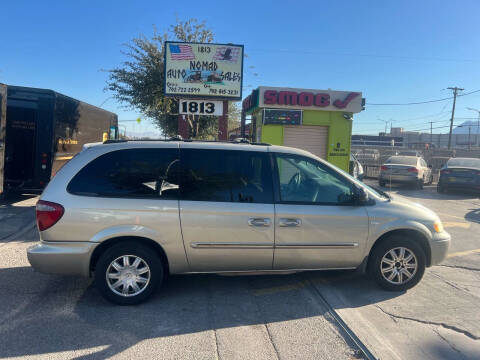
[131,212]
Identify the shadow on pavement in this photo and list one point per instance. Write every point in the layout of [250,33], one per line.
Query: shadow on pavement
[46,313]
[13,198]
[357,289]
[17,213]
[473,215]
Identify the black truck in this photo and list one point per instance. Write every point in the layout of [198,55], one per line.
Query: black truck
[40,130]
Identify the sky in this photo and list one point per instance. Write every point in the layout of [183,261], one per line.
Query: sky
[391,51]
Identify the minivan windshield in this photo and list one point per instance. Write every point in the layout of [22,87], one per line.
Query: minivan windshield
[464,162]
[373,191]
[402,160]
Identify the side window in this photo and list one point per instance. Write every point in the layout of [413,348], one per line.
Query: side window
[132,173]
[226,176]
[305,180]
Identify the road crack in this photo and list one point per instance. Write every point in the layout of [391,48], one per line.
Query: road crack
[450,283]
[448,343]
[428,322]
[460,267]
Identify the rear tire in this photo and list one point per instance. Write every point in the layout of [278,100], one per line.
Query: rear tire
[128,273]
[405,272]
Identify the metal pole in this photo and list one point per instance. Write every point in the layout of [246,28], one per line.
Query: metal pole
[455,90]
[469,130]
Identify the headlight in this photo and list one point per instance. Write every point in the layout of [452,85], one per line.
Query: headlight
[438,226]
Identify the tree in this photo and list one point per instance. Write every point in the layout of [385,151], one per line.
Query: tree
[138,81]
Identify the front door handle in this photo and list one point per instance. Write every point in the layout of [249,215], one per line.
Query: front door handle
[259,222]
[284,222]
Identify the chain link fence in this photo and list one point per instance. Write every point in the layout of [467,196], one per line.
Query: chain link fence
[373,158]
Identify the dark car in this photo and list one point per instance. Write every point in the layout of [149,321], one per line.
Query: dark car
[460,173]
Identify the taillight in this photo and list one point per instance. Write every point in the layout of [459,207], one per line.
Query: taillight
[383,168]
[412,170]
[48,213]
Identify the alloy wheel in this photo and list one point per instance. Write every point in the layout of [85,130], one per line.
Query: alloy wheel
[399,265]
[128,275]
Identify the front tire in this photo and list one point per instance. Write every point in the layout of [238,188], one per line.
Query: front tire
[397,264]
[128,273]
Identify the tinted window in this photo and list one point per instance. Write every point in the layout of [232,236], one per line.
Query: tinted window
[467,162]
[228,176]
[305,180]
[136,173]
[402,160]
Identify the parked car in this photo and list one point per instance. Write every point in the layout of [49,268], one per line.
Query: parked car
[405,169]
[460,173]
[416,153]
[367,155]
[131,212]
[356,169]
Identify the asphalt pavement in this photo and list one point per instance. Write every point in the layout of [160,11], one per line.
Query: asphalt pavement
[246,317]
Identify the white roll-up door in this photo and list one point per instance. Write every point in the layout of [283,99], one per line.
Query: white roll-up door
[310,138]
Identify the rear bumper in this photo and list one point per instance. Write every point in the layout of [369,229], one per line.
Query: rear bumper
[398,178]
[67,258]
[459,185]
[439,246]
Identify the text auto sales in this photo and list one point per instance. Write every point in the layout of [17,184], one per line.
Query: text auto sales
[203,66]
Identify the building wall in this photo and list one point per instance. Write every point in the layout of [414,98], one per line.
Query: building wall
[339,133]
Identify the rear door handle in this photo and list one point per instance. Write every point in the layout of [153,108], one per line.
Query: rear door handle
[289,222]
[259,222]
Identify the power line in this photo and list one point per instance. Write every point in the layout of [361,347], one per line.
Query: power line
[423,102]
[387,56]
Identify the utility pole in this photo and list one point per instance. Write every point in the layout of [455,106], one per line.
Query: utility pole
[455,91]
[386,125]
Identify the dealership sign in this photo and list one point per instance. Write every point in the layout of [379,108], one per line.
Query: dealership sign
[213,71]
[305,99]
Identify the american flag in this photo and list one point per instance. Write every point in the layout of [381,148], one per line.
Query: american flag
[226,53]
[181,52]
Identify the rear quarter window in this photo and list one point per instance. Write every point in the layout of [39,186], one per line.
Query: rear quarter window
[129,173]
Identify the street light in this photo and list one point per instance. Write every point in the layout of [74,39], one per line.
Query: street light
[478,125]
[469,131]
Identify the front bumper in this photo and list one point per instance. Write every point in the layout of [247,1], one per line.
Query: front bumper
[439,247]
[67,258]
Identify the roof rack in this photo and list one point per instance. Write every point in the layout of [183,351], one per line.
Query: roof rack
[179,138]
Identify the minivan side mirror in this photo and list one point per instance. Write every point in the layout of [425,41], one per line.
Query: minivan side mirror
[361,196]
